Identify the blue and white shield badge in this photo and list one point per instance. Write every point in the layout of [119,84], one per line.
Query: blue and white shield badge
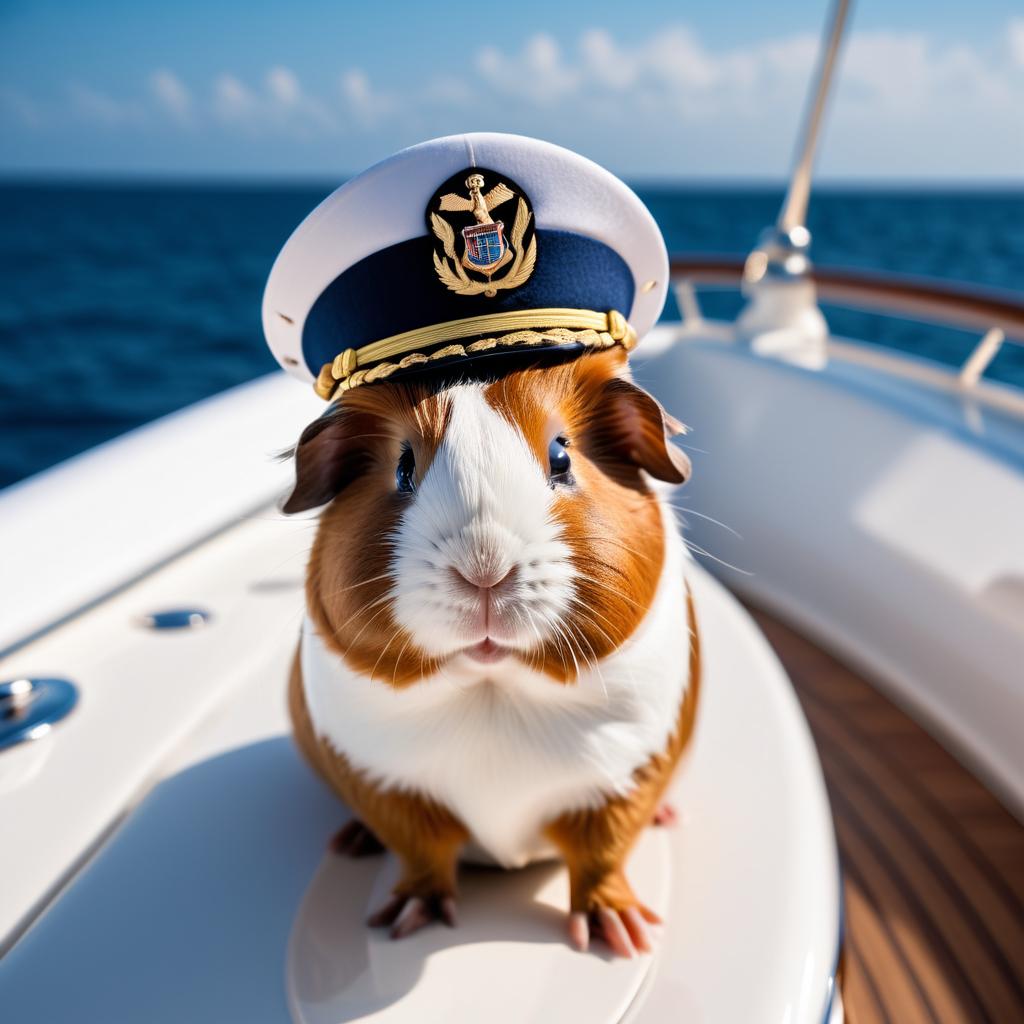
[485,246]
[488,261]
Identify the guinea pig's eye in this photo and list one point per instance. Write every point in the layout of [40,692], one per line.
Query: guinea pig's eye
[559,461]
[404,471]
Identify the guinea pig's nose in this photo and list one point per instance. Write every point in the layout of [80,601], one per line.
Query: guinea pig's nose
[484,577]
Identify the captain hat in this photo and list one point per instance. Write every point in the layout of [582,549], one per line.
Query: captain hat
[459,249]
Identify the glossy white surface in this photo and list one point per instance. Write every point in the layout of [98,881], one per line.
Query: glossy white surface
[883,515]
[143,694]
[186,913]
[507,962]
[84,528]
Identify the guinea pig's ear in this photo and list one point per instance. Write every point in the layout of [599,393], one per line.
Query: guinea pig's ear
[330,454]
[635,428]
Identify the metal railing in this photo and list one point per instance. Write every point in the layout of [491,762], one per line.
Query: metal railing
[999,315]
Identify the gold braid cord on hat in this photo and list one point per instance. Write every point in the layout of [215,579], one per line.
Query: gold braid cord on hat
[522,329]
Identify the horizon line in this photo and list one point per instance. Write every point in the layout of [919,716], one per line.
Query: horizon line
[226,179]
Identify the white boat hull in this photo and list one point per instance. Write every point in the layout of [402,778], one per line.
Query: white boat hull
[880,514]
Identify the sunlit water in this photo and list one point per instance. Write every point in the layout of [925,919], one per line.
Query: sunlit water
[120,304]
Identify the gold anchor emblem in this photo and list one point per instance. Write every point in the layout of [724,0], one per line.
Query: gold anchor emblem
[485,248]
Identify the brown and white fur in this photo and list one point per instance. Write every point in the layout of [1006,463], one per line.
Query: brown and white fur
[497,663]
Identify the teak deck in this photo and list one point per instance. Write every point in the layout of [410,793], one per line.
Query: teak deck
[933,865]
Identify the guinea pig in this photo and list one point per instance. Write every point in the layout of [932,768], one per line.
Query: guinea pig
[499,656]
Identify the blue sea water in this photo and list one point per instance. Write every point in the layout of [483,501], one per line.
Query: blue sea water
[120,303]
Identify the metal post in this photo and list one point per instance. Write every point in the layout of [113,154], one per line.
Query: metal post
[782,317]
[794,208]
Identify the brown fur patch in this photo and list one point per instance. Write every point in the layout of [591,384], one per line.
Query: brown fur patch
[425,836]
[610,519]
[596,843]
[347,582]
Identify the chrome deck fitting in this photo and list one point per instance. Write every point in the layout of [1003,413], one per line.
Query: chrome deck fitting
[29,707]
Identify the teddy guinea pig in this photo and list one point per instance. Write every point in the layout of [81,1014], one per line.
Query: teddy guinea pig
[499,658]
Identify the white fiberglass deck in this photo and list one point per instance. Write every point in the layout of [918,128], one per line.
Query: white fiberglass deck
[216,867]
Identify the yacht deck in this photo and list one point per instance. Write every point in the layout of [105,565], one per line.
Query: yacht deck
[933,864]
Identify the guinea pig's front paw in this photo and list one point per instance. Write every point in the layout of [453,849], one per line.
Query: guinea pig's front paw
[406,914]
[625,931]
[609,909]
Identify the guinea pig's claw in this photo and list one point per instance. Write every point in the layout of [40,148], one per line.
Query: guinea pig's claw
[408,914]
[579,931]
[387,914]
[626,932]
[354,839]
[448,911]
[415,914]
[666,814]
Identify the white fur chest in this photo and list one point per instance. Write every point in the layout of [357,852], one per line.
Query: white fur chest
[506,749]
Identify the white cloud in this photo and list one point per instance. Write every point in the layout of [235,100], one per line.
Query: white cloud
[671,65]
[280,106]
[365,103]
[1015,35]
[171,95]
[283,86]
[901,99]
[659,104]
[538,73]
[293,106]
[902,73]
[232,101]
[92,105]
[673,70]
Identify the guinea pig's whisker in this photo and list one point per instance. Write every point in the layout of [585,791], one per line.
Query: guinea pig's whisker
[361,583]
[686,511]
[562,636]
[595,662]
[380,657]
[537,657]
[592,662]
[570,635]
[398,660]
[707,554]
[362,609]
[604,618]
[523,615]
[569,648]
[383,542]
[616,543]
[615,590]
[352,642]
[590,624]
[272,572]
[610,569]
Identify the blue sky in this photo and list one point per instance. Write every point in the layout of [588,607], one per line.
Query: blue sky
[653,90]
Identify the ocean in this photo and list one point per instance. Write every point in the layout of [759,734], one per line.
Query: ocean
[123,302]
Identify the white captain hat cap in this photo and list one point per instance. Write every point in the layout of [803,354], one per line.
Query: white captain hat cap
[459,250]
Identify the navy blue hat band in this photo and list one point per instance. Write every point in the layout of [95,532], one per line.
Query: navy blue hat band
[396,290]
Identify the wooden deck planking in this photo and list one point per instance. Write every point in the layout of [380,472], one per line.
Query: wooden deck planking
[933,864]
